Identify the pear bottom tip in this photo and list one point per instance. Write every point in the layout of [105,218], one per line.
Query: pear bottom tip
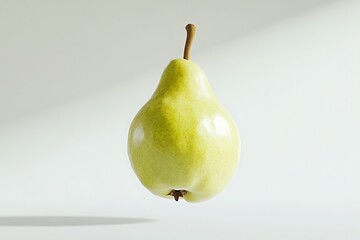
[177,194]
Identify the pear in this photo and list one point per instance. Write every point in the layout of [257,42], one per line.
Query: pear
[182,142]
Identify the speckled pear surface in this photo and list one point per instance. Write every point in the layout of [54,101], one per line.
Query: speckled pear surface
[182,138]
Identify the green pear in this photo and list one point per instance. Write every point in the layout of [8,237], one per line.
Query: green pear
[182,142]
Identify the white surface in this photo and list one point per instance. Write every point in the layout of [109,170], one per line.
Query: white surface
[55,51]
[293,90]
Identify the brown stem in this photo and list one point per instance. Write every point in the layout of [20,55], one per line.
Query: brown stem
[190,29]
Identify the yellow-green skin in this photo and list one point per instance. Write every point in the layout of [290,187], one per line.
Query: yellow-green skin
[182,138]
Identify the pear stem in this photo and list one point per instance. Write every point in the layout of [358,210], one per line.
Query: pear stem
[190,29]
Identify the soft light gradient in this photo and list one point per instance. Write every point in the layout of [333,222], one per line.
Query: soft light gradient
[293,89]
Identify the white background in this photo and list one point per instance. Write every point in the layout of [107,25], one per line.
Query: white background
[291,86]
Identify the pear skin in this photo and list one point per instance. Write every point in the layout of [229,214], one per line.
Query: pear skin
[182,142]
